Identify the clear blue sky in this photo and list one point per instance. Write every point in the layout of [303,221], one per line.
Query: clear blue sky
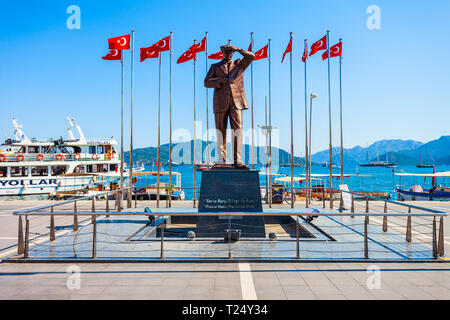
[396,82]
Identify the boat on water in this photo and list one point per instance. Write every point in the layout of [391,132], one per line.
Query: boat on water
[418,193]
[33,167]
[150,191]
[425,165]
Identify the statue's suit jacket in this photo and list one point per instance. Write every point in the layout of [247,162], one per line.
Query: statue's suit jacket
[235,89]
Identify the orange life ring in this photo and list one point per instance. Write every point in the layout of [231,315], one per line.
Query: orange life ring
[59,157]
[77,157]
[2,158]
[20,157]
[94,156]
[40,157]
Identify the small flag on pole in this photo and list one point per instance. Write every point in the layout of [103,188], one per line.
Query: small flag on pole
[262,54]
[113,54]
[120,43]
[216,56]
[190,54]
[305,53]
[336,51]
[201,46]
[149,53]
[163,44]
[288,49]
[319,45]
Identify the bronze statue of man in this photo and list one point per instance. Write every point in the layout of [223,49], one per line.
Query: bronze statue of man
[227,79]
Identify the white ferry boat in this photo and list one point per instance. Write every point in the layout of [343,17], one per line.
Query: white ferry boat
[32,167]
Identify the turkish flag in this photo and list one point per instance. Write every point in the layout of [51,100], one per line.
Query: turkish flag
[319,45]
[336,51]
[163,44]
[288,49]
[120,43]
[113,54]
[190,54]
[216,56]
[262,54]
[201,46]
[305,53]
[149,53]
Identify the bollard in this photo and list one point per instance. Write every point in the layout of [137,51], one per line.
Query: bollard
[129,199]
[162,240]
[94,237]
[441,249]
[341,204]
[297,231]
[408,230]
[367,205]
[52,227]
[20,244]
[366,238]
[435,250]
[107,204]
[93,204]
[27,237]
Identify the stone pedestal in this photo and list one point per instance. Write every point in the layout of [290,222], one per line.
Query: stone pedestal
[230,190]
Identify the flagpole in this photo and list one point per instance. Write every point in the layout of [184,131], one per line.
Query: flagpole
[193,164]
[270,126]
[292,132]
[121,131]
[131,120]
[158,157]
[329,122]
[170,121]
[267,152]
[252,109]
[306,132]
[342,130]
[207,101]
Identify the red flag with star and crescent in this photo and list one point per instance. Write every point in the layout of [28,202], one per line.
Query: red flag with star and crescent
[336,51]
[113,54]
[120,43]
[216,56]
[262,54]
[190,54]
[305,53]
[149,53]
[201,46]
[163,44]
[319,45]
[288,49]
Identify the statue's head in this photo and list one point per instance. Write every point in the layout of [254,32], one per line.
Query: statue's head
[227,51]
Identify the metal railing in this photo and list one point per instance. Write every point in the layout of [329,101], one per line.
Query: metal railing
[335,233]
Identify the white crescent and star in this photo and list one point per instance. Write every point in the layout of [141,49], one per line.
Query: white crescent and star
[124,41]
[114,52]
[163,43]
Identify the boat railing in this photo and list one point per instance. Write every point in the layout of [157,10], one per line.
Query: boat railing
[18,158]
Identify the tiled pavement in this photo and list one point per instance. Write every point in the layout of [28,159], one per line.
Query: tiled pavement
[223,281]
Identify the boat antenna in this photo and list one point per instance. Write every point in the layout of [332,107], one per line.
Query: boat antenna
[71,123]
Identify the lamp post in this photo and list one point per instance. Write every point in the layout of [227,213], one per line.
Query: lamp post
[313,96]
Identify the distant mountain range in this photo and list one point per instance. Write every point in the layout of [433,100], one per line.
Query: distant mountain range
[400,152]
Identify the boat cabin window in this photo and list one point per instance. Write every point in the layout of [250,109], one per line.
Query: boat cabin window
[57,170]
[45,149]
[33,149]
[113,167]
[100,149]
[102,168]
[89,168]
[39,171]
[79,169]
[19,172]
[23,150]
[3,172]
[92,149]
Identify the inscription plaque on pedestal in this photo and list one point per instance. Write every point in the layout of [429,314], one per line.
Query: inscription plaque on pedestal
[230,191]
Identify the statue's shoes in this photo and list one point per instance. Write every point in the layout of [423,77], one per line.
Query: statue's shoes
[240,165]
